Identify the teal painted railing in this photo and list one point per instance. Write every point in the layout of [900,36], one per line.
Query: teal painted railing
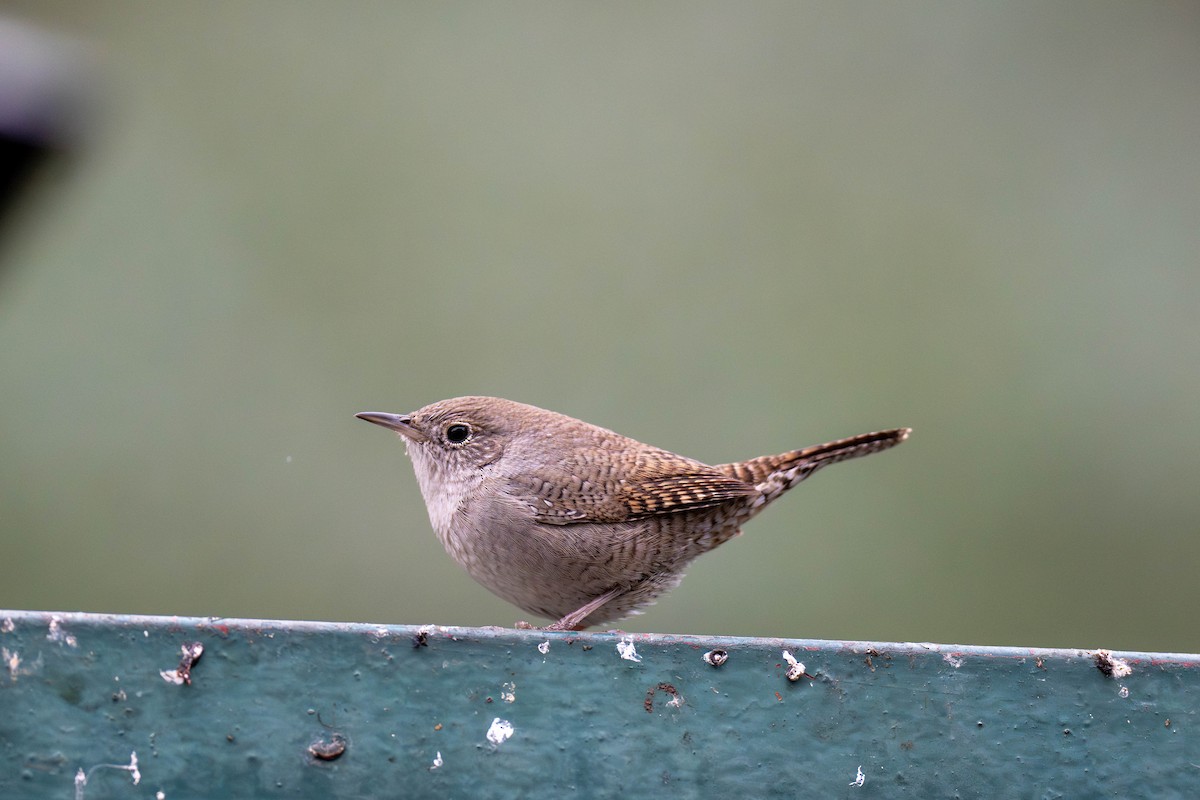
[97,706]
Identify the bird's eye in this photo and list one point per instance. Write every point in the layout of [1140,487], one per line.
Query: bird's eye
[457,433]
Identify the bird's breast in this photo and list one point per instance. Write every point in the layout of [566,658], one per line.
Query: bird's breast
[446,492]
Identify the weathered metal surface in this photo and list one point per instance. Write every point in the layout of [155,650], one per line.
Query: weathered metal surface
[323,710]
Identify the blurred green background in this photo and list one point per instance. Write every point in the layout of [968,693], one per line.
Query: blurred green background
[724,229]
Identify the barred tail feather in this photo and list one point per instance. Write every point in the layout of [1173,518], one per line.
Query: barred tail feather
[774,475]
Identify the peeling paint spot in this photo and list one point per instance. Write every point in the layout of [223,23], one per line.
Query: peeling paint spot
[7,626]
[1124,692]
[508,692]
[437,761]
[859,779]
[544,647]
[715,658]
[500,731]
[627,651]
[952,660]
[328,751]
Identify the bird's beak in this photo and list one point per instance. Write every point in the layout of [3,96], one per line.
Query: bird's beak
[400,423]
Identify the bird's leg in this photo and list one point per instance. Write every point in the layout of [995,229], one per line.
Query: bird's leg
[571,622]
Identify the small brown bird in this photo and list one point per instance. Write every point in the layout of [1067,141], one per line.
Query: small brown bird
[573,522]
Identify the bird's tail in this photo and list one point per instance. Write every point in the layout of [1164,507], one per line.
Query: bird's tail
[774,475]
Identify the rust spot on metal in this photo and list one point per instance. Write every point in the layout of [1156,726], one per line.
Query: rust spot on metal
[664,687]
[872,654]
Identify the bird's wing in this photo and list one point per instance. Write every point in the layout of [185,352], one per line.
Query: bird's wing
[654,482]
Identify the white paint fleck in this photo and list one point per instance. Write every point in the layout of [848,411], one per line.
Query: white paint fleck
[58,633]
[1111,666]
[952,660]
[160,795]
[190,650]
[81,777]
[499,731]
[1124,692]
[796,669]
[437,761]
[859,779]
[544,647]
[627,651]
[7,626]
[508,692]
[12,660]
[715,658]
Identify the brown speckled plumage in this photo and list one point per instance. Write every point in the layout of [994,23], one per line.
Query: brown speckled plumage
[577,523]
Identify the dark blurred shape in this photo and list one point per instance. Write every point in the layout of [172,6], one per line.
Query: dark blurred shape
[43,103]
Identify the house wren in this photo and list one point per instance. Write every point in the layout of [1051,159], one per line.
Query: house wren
[574,522]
